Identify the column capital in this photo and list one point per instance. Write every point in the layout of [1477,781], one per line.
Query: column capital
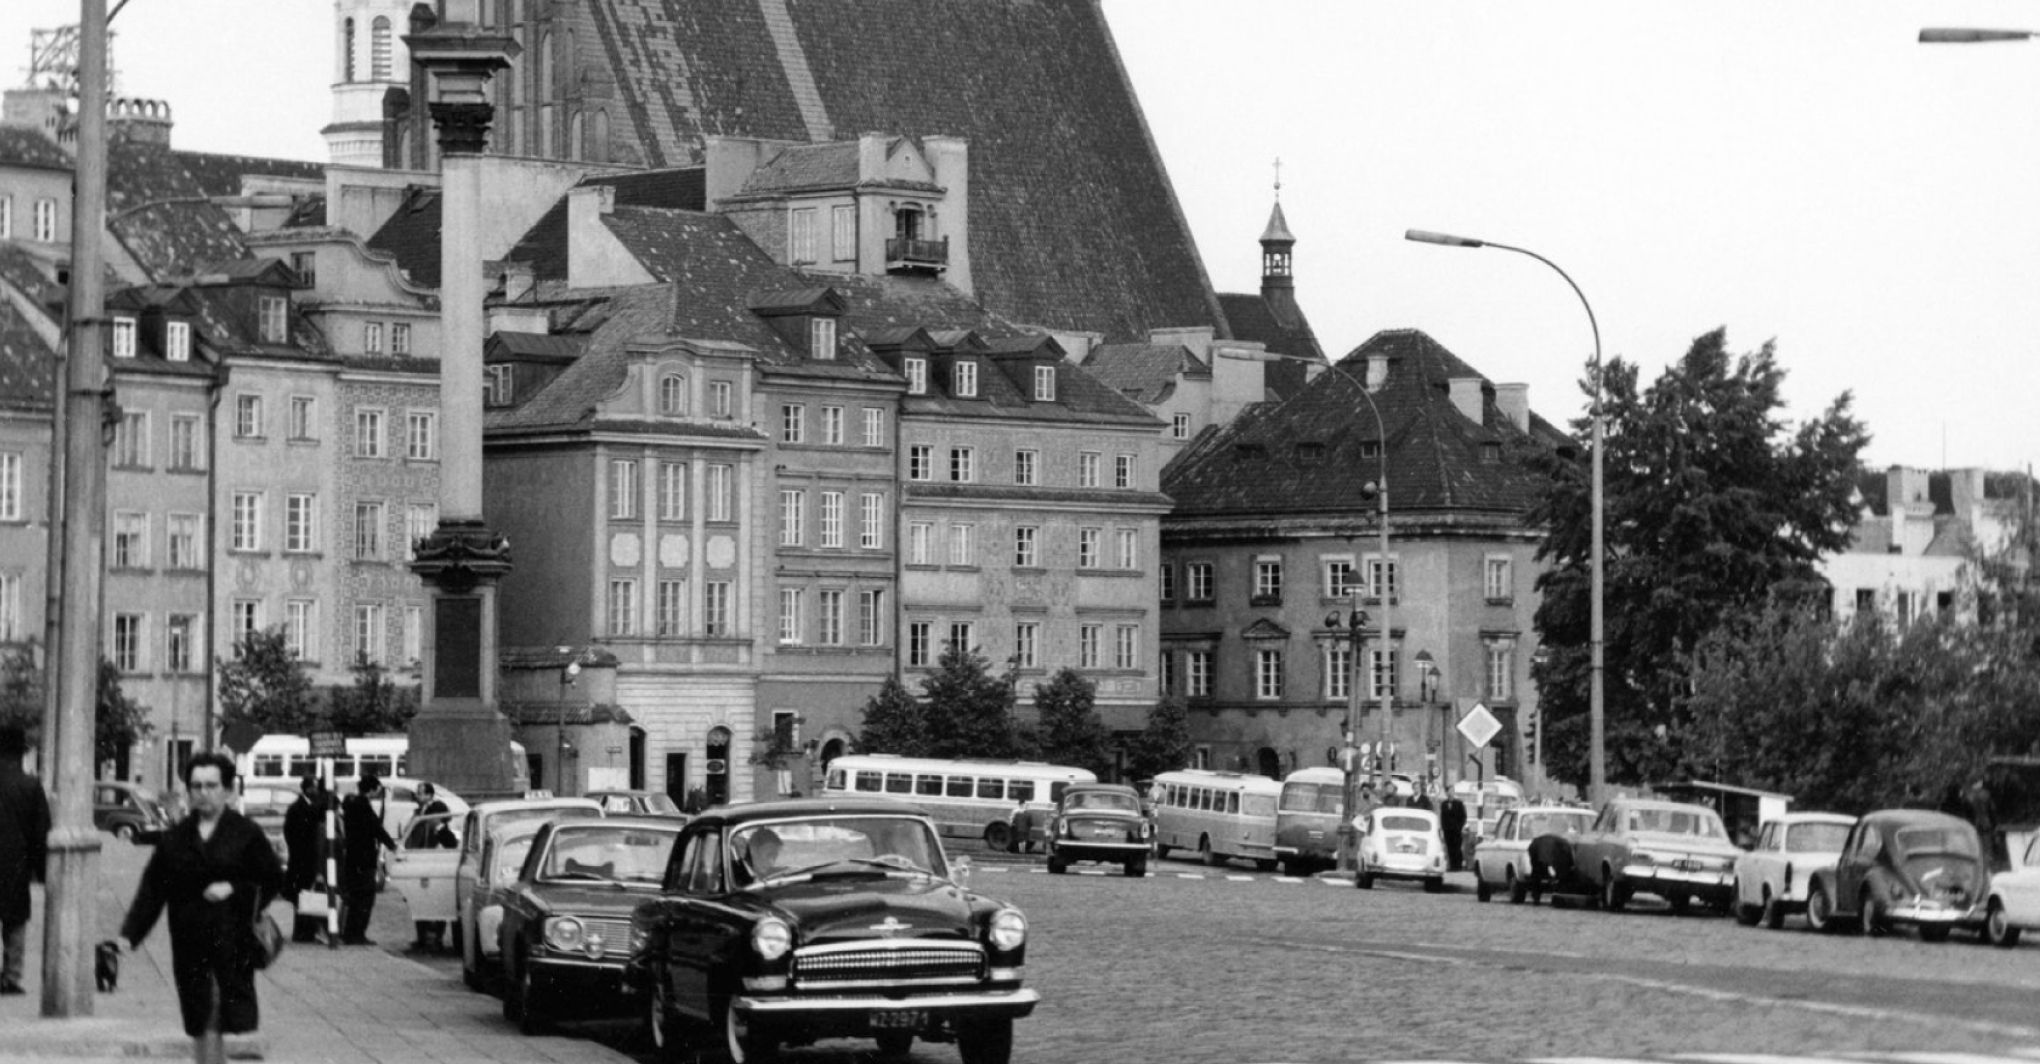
[461,554]
[463,127]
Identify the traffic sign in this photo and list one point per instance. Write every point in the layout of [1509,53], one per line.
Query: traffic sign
[1479,726]
[241,735]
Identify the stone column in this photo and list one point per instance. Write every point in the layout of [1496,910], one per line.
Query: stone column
[458,738]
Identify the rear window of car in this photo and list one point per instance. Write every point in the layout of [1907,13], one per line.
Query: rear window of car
[1405,823]
[1937,840]
[1816,838]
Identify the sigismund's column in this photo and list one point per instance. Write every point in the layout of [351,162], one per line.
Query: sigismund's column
[458,738]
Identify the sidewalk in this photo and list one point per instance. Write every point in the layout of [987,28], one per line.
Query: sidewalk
[319,1006]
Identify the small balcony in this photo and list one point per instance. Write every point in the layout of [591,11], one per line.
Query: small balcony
[903,255]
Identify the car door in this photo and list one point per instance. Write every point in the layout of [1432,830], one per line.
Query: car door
[1762,866]
[1857,854]
[691,927]
[423,870]
[1503,850]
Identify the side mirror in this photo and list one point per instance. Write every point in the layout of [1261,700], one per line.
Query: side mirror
[959,871]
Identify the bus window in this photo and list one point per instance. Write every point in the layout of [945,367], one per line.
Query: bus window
[958,787]
[1260,805]
[868,781]
[994,789]
[1020,790]
[1202,802]
[928,785]
[404,764]
[835,781]
[377,763]
[899,783]
[1232,803]
[302,766]
[269,765]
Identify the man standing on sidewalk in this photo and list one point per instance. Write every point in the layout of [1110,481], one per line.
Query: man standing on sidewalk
[362,824]
[24,849]
[301,845]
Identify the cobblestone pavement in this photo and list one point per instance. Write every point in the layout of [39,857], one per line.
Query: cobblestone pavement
[1230,965]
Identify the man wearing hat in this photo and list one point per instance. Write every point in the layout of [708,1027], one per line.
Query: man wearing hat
[361,824]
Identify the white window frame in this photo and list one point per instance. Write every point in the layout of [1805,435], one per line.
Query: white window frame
[670,609]
[672,491]
[1268,577]
[1027,644]
[1122,471]
[673,395]
[1090,546]
[1126,647]
[371,519]
[125,647]
[187,450]
[715,608]
[1379,660]
[183,540]
[123,337]
[247,417]
[790,625]
[1498,577]
[832,519]
[1267,674]
[622,612]
[822,339]
[963,465]
[11,486]
[874,426]
[46,221]
[965,378]
[871,520]
[370,641]
[921,461]
[1026,467]
[829,619]
[421,436]
[800,235]
[1379,573]
[368,432]
[301,410]
[1088,466]
[300,626]
[1341,575]
[371,338]
[843,232]
[919,642]
[499,389]
[1338,665]
[1179,427]
[871,618]
[1501,670]
[721,402]
[181,633]
[624,489]
[793,423]
[130,543]
[420,521]
[1026,547]
[792,517]
[245,532]
[1199,579]
[916,372]
[273,316]
[414,635]
[962,548]
[919,534]
[1044,384]
[400,339]
[1129,549]
[832,426]
[721,482]
[1088,638]
[300,522]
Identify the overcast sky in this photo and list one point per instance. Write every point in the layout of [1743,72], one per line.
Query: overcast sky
[1805,173]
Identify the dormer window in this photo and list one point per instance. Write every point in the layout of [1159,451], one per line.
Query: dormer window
[123,337]
[1044,384]
[916,370]
[272,319]
[966,379]
[822,338]
[496,392]
[177,341]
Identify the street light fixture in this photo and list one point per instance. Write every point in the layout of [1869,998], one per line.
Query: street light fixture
[567,674]
[1961,36]
[1356,622]
[1597,773]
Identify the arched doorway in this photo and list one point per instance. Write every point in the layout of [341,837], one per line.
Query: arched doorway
[1269,762]
[831,750]
[717,766]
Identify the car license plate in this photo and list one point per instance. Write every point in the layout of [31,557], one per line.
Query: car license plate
[896,1020]
[1686,864]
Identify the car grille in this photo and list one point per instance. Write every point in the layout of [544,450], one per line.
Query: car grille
[861,963]
[615,933]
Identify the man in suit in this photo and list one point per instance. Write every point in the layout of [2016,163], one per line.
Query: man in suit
[361,824]
[24,850]
[301,844]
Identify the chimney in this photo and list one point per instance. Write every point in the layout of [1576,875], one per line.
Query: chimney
[1965,497]
[139,121]
[1514,401]
[514,279]
[1466,398]
[1377,372]
[949,157]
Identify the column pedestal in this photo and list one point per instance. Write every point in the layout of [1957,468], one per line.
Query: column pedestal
[458,739]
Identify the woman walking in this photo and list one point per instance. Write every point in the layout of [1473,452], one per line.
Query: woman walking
[215,872]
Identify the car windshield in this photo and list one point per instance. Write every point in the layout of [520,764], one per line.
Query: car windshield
[1113,800]
[616,852]
[1405,823]
[1310,797]
[1938,840]
[829,844]
[1535,824]
[1815,838]
[1700,822]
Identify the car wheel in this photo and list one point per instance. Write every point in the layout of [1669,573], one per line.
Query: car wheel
[987,1042]
[1162,849]
[744,1042]
[1363,880]
[124,832]
[1745,913]
[1933,933]
[893,1045]
[1056,865]
[529,1012]
[1204,851]
[1773,912]
[1680,903]
[1820,909]
[1518,890]
[1434,885]
[1613,897]
[1998,929]
[1870,915]
[1481,890]
[999,837]
[661,1029]
[1136,869]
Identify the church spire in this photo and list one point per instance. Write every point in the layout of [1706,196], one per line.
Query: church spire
[1276,242]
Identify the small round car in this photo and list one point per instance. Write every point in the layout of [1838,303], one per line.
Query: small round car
[1903,868]
[1400,843]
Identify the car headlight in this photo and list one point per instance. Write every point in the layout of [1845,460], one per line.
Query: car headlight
[1009,929]
[771,938]
[1147,830]
[563,933]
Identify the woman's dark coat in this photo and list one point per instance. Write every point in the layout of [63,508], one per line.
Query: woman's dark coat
[24,837]
[209,941]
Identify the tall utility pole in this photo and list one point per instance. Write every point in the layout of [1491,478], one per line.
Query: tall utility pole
[69,919]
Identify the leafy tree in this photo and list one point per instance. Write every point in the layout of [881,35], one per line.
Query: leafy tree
[1713,509]
[895,722]
[267,685]
[372,704]
[1164,745]
[118,721]
[21,691]
[1071,732]
[969,711]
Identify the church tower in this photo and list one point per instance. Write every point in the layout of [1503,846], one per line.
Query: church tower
[1278,284]
[369,60]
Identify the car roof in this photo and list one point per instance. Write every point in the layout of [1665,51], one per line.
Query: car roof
[666,823]
[1116,788]
[1813,818]
[1528,810]
[1900,818]
[753,811]
[1400,810]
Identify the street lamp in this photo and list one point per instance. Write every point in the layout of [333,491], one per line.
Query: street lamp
[1960,36]
[1597,773]
[1349,800]
[1427,688]
[567,673]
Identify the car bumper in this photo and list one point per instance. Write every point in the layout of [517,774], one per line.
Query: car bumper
[1089,850]
[579,979]
[863,1015]
[1653,879]
[1395,867]
[1917,911]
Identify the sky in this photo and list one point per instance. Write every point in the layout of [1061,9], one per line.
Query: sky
[1805,174]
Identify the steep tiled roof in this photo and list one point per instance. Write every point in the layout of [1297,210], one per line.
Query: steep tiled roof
[545,245]
[1305,454]
[1146,373]
[23,146]
[1253,318]
[156,206]
[411,236]
[1073,221]
[831,165]
[220,175]
[27,363]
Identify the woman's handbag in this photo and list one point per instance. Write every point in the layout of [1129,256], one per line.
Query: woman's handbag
[268,940]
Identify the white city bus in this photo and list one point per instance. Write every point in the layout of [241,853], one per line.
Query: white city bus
[1307,819]
[969,797]
[1221,815]
[288,758]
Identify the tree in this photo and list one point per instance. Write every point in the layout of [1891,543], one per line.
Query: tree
[266,685]
[895,722]
[1071,732]
[969,711]
[1713,508]
[118,721]
[372,704]
[1164,745]
[21,691]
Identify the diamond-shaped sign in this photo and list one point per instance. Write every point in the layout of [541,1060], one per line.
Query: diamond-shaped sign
[1479,726]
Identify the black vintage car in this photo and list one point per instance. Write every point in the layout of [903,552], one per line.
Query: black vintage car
[1100,822]
[782,923]
[1903,867]
[566,922]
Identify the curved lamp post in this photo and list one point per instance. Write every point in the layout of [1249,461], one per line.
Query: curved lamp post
[1596,716]
[568,672]
[1355,622]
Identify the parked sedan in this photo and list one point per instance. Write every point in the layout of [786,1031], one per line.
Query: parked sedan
[1676,851]
[1771,880]
[1502,861]
[488,860]
[780,923]
[1903,867]
[131,813]
[1100,822]
[566,921]
[1400,843]
[2014,903]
